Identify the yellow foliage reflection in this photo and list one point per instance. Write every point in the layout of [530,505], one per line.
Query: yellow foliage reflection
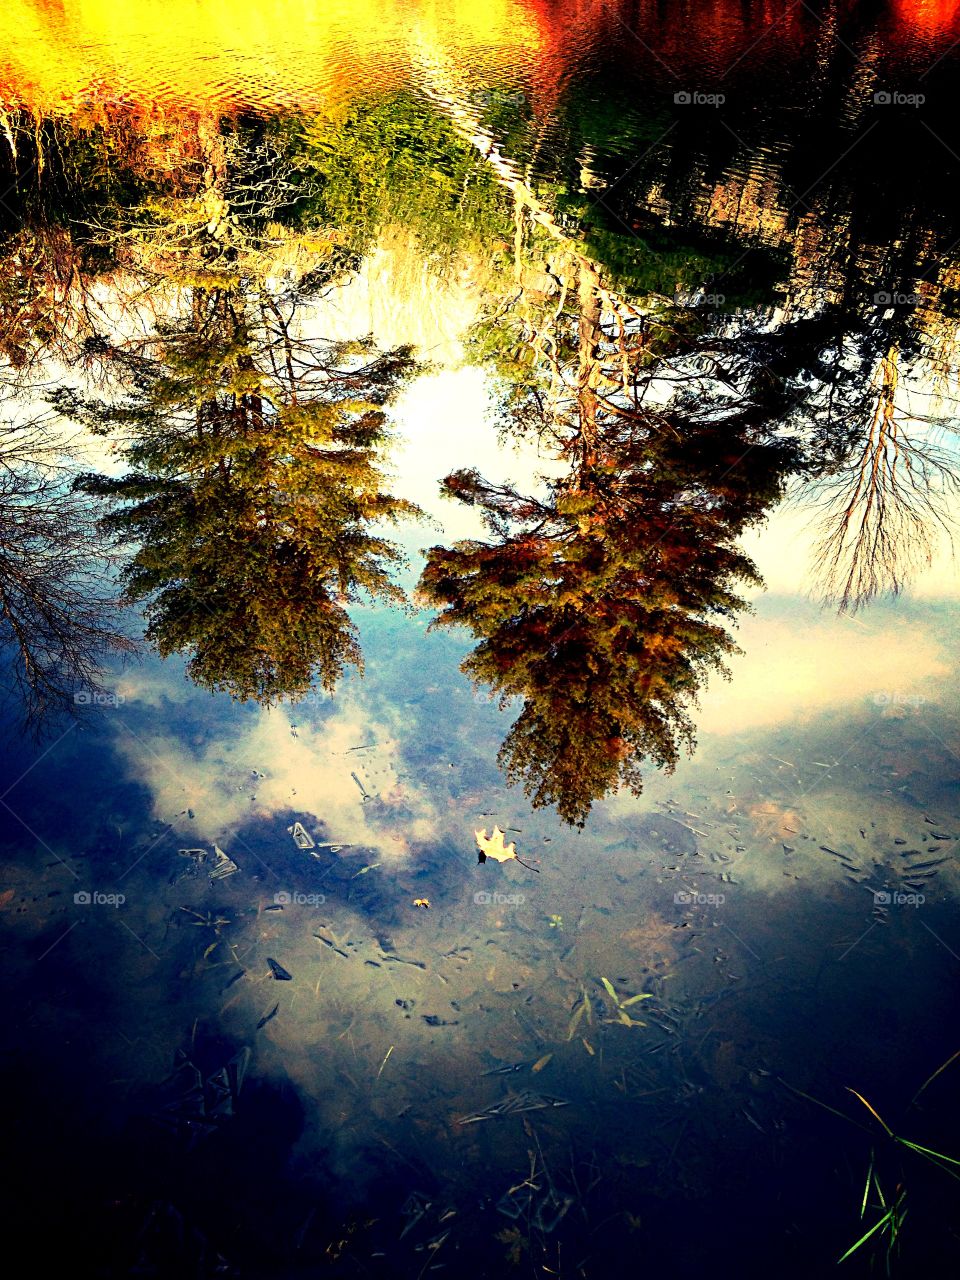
[225,54]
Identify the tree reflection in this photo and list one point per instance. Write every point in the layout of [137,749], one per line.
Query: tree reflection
[182,291]
[59,619]
[880,507]
[603,604]
[253,509]
[252,493]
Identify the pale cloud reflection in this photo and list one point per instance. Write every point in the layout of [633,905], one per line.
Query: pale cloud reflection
[797,663]
[306,762]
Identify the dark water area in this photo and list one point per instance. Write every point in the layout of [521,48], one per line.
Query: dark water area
[481,735]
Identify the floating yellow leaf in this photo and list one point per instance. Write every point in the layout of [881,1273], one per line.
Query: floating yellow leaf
[541,1063]
[588,1046]
[493,847]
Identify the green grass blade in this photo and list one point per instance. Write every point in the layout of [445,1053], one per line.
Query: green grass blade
[915,1146]
[953,1057]
[866,1188]
[933,1156]
[864,1238]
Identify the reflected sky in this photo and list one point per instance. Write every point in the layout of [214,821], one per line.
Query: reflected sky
[629,356]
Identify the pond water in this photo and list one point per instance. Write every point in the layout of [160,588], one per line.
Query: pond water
[481,745]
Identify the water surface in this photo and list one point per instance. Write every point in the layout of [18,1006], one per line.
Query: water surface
[426,418]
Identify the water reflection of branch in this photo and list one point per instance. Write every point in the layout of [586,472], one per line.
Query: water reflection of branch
[59,618]
[880,506]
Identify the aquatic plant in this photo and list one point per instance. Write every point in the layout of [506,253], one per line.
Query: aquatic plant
[622,1005]
[888,1228]
[889,1225]
[943,1161]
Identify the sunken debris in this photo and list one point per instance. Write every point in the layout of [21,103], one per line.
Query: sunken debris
[302,837]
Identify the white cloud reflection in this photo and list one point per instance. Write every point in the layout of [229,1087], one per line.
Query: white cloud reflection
[798,662]
[306,762]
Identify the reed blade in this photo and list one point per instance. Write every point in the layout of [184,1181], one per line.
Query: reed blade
[864,1238]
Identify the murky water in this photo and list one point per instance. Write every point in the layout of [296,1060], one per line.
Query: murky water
[411,414]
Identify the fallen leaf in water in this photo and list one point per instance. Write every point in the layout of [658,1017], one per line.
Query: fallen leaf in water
[493,847]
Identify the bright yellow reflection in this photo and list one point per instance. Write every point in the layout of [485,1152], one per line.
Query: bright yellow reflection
[225,54]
